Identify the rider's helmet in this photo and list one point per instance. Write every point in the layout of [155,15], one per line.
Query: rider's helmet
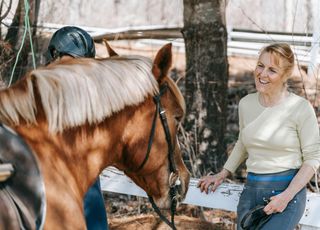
[73,41]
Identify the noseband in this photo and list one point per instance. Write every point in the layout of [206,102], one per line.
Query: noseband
[174,180]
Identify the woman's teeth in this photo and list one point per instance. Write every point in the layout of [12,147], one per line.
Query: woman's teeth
[263,82]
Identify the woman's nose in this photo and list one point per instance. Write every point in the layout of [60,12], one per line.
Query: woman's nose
[264,73]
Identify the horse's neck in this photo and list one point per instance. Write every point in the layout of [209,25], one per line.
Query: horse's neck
[81,153]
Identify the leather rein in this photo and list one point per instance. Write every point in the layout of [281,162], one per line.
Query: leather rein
[174,180]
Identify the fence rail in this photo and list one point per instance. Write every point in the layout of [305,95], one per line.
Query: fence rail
[240,43]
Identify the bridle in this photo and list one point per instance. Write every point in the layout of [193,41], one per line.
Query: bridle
[174,180]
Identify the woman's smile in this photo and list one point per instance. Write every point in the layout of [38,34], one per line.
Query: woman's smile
[264,82]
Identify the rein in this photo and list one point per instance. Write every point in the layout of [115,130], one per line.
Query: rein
[174,181]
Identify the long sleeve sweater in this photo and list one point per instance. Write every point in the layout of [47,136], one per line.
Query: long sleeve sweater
[275,139]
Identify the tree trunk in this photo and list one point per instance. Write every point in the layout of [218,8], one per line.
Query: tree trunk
[15,36]
[205,38]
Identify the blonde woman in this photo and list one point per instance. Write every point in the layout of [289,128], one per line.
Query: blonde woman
[278,140]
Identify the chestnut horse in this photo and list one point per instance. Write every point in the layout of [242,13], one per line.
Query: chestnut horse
[82,115]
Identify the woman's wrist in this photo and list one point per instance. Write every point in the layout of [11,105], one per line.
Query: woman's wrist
[224,173]
[288,194]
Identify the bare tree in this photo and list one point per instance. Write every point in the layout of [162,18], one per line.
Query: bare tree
[4,9]
[6,54]
[205,38]
[15,35]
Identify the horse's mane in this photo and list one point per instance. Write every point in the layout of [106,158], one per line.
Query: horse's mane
[85,90]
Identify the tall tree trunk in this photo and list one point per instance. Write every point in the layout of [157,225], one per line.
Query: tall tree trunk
[15,38]
[205,38]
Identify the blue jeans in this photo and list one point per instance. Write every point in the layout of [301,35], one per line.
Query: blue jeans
[260,188]
[94,208]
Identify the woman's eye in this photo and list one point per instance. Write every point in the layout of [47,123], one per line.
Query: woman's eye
[273,71]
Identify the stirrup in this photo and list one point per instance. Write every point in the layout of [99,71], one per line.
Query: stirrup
[6,171]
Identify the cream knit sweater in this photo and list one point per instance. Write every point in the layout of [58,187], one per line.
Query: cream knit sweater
[275,139]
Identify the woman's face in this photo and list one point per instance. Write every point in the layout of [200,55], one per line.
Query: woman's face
[269,77]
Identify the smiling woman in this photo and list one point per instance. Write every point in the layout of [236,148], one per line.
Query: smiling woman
[274,67]
[278,139]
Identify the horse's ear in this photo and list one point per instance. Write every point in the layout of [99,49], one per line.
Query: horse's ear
[162,62]
[111,52]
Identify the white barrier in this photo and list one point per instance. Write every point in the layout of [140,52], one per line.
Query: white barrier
[225,197]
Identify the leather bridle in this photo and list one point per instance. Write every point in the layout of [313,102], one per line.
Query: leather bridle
[174,180]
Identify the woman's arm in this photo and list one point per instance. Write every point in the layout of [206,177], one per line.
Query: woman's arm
[237,156]
[279,202]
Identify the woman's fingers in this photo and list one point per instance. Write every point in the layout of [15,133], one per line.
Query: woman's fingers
[209,186]
[200,182]
[277,204]
[215,186]
[203,184]
[268,209]
[208,183]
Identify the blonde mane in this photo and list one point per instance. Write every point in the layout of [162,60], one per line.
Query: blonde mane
[84,91]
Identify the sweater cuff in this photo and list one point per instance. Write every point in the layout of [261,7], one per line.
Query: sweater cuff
[230,167]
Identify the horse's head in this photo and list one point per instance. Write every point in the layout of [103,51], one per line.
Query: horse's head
[152,156]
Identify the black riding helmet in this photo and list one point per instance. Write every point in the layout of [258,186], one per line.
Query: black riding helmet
[73,41]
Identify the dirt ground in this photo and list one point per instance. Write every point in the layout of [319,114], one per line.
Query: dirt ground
[129,212]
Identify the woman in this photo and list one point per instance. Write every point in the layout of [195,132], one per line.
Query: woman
[278,139]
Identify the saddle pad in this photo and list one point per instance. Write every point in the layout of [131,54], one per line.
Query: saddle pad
[26,184]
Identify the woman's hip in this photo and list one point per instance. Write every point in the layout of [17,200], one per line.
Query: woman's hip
[258,190]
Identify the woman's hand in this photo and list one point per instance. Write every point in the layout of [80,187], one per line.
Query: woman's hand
[212,181]
[277,203]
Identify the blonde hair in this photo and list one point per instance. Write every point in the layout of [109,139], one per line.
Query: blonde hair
[283,56]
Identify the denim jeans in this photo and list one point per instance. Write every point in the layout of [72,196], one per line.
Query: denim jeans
[263,186]
[94,208]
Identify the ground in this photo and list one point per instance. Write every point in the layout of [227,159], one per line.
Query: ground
[129,212]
